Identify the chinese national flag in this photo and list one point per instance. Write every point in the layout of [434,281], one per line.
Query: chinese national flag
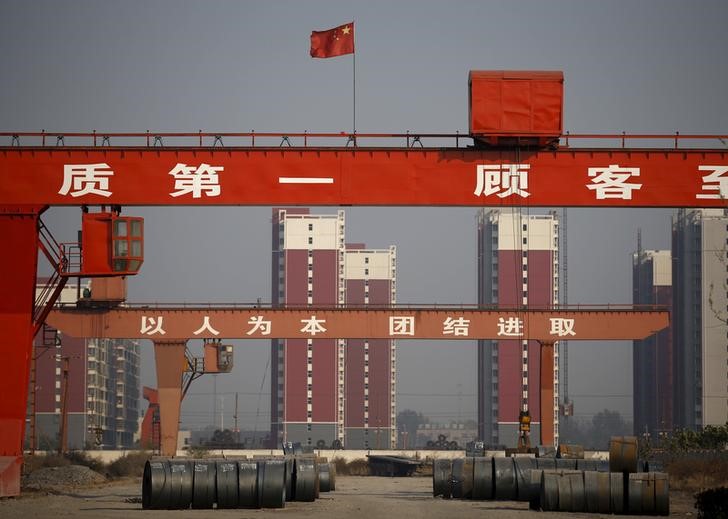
[334,42]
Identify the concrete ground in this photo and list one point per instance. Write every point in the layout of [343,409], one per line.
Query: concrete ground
[355,497]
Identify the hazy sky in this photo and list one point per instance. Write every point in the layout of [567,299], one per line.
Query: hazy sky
[638,66]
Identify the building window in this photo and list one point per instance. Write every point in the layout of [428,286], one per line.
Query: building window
[525,254]
[525,227]
[525,240]
[308,428]
[310,240]
[525,293]
[366,272]
[310,227]
[310,254]
[525,268]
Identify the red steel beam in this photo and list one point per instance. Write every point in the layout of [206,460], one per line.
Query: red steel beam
[340,323]
[169,357]
[546,393]
[364,176]
[18,264]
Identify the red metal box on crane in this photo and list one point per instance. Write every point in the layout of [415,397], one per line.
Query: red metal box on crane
[509,107]
[111,245]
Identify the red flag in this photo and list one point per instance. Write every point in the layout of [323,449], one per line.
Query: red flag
[334,42]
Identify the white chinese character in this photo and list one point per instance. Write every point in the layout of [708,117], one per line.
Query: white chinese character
[151,325]
[86,179]
[511,327]
[188,179]
[206,326]
[401,325]
[513,178]
[562,327]
[313,326]
[259,323]
[610,182]
[457,327]
[714,181]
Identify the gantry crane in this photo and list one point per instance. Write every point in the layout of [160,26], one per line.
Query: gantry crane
[514,155]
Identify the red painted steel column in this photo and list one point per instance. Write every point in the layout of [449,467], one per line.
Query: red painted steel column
[547,393]
[170,360]
[18,263]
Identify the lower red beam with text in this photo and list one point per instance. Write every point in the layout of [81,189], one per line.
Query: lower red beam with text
[392,323]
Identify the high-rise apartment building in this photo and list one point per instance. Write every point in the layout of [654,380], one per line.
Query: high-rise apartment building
[103,388]
[699,317]
[324,392]
[370,364]
[517,268]
[652,357]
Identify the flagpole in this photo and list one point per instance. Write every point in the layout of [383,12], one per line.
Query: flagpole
[354,80]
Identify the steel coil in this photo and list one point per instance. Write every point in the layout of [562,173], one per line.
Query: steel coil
[304,480]
[462,478]
[587,465]
[180,488]
[566,451]
[482,478]
[248,484]
[616,492]
[505,479]
[324,477]
[596,492]
[226,482]
[155,485]
[317,481]
[272,483]
[536,481]
[332,476]
[565,495]
[576,481]
[546,463]
[524,490]
[203,484]
[565,464]
[648,494]
[634,494]
[662,493]
[290,467]
[623,454]
[442,478]
[549,498]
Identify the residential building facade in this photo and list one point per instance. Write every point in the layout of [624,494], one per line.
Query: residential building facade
[652,358]
[699,317]
[518,264]
[323,392]
[103,388]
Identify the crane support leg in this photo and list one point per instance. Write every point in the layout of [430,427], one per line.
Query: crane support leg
[18,263]
[547,393]
[171,362]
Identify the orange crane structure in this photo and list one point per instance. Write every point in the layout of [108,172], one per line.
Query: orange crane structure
[515,154]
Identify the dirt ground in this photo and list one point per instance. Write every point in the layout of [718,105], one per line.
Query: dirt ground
[355,497]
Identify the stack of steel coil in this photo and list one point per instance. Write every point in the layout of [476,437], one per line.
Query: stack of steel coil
[175,484]
[558,484]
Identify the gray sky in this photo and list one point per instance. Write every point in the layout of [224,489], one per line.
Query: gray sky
[638,66]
